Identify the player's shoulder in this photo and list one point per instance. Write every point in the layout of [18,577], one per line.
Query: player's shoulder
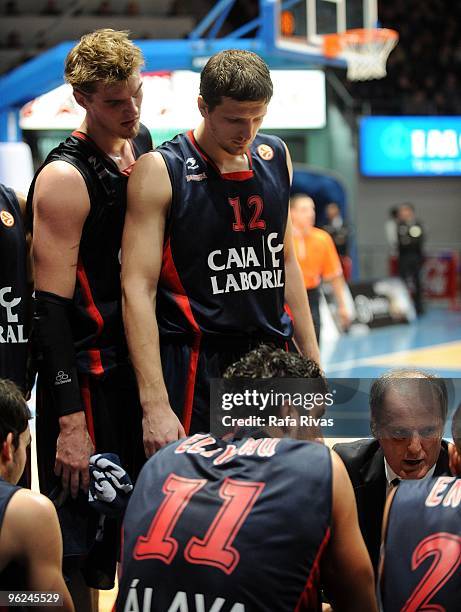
[29,516]
[30,504]
[268,146]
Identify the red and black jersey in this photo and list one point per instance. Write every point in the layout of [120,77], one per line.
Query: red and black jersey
[96,319]
[422,552]
[228,526]
[223,263]
[14,298]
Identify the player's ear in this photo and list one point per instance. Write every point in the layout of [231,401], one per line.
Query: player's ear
[202,107]
[81,98]
[7,450]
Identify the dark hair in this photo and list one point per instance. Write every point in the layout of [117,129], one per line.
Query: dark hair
[14,412]
[267,361]
[237,74]
[456,428]
[391,379]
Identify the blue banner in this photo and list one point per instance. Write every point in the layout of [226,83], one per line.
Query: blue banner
[410,146]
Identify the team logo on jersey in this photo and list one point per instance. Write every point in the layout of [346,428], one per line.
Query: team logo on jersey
[196,177]
[252,267]
[191,163]
[6,218]
[62,378]
[265,152]
[13,332]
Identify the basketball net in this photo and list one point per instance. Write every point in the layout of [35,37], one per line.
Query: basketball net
[365,51]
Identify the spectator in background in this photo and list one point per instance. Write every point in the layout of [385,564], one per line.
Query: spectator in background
[410,239]
[11,8]
[318,259]
[132,9]
[13,40]
[50,8]
[390,229]
[104,9]
[408,412]
[337,228]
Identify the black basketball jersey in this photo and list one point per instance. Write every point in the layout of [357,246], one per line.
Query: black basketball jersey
[223,261]
[11,577]
[234,527]
[96,319]
[422,554]
[14,301]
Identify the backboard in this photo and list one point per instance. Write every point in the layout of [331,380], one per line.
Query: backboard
[302,24]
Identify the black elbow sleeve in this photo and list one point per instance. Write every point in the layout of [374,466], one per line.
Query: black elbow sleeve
[56,352]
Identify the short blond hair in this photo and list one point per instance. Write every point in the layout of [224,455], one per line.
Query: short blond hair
[106,56]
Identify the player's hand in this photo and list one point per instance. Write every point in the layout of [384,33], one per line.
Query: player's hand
[454,460]
[160,426]
[73,451]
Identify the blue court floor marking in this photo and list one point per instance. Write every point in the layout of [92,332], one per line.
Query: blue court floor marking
[352,356]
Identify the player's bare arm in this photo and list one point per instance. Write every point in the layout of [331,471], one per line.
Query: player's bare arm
[295,293]
[149,197]
[61,205]
[339,289]
[38,551]
[346,569]
[297,300]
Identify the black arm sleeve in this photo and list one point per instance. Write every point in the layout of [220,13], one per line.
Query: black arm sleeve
[56,352]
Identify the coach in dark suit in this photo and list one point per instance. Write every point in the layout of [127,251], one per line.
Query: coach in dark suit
[408,413]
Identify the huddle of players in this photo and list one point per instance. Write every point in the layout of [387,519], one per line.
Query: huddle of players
[214,200]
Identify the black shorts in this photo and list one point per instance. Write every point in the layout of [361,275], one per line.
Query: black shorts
[114,421]
[188,368]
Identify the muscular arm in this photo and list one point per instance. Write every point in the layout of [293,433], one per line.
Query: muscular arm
[346,569]
[38,551]
[296,298]
[61,205]
[149,196]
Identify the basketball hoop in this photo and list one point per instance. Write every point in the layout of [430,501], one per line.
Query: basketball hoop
[365,51]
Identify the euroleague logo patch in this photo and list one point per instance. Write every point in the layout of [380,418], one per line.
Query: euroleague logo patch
[265,152]
[6,218]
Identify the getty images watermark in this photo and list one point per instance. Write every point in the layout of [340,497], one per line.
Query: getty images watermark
[261,403]
[334,408]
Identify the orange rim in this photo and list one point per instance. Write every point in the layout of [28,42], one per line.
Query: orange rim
[334,43]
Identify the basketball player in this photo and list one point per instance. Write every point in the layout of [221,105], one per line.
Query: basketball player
[15,290]
[420,564]
[207,257]
[252,524]
[30,558]
[87,398]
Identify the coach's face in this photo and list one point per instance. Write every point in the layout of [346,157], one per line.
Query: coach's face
[115,108]
[410,430]
[233,125]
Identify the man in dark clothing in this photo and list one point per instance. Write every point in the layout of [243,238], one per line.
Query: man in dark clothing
[87,396]
[408,412]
